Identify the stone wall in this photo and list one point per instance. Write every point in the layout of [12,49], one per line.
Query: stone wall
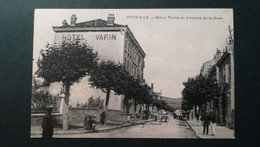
[36,119]
[77,115]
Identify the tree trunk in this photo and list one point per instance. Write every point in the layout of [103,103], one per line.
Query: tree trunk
[107,98]
[196,113]
[135,109]
[199,112]
[65,119]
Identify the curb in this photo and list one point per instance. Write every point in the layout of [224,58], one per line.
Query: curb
[192,129]
[90,131]
[122,126]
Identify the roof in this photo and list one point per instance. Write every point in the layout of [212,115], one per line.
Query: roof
[225,55]
[93,23]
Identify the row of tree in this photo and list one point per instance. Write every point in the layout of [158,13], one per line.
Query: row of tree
[71,61]
[197,92]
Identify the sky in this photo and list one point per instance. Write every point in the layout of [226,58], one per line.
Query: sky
[176,41]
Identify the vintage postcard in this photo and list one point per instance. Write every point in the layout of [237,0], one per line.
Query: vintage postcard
[133,73]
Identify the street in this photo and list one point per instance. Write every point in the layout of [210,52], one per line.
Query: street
[173,129]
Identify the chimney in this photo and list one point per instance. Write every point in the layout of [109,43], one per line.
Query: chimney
[64,23]
[73,19]
[152,86]
[110,20]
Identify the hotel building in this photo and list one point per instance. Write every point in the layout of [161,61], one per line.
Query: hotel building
[112,42]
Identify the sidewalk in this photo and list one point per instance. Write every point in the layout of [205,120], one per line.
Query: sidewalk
[221,131]
[35,131]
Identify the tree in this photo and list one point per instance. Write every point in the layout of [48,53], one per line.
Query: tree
[92,103]
[199,90]
[160,104]
[41,97]
[109,76]
[66,63]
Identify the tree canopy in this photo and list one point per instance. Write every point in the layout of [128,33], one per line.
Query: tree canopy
[199,90]
[66,63]
[107,76]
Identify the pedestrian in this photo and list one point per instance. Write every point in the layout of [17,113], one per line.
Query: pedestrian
[47,123]
[85,124]
[155,116]
[212,123]
[206,121]
[90,122]
[102,118]
[94,122]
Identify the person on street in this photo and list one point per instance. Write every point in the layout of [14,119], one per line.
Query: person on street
[47,123]
[86,124]
[94,121]
[155,116]
[102,118]
[212,123]
[206,122]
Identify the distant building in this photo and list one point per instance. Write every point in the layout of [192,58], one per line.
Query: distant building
[112,42]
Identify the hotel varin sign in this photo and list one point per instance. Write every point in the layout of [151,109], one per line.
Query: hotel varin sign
[73,37]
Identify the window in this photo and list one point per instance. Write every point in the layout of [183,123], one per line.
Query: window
[126,44]
[138,73]
[223,74]
[127,64]
[135,71]
[227,73]
[132,68]
[125,61]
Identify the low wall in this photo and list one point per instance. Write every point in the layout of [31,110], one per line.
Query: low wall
[36,119]
[115,115]
[77,115]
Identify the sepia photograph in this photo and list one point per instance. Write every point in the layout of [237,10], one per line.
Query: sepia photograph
[133,73]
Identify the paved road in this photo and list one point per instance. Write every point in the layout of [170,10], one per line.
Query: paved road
[173,129]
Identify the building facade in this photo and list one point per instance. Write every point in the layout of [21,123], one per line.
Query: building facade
[225,103]
[223,72]
[112,42]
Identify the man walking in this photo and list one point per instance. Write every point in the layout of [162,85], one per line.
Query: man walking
[47,123]
[212,123]
[206,122]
